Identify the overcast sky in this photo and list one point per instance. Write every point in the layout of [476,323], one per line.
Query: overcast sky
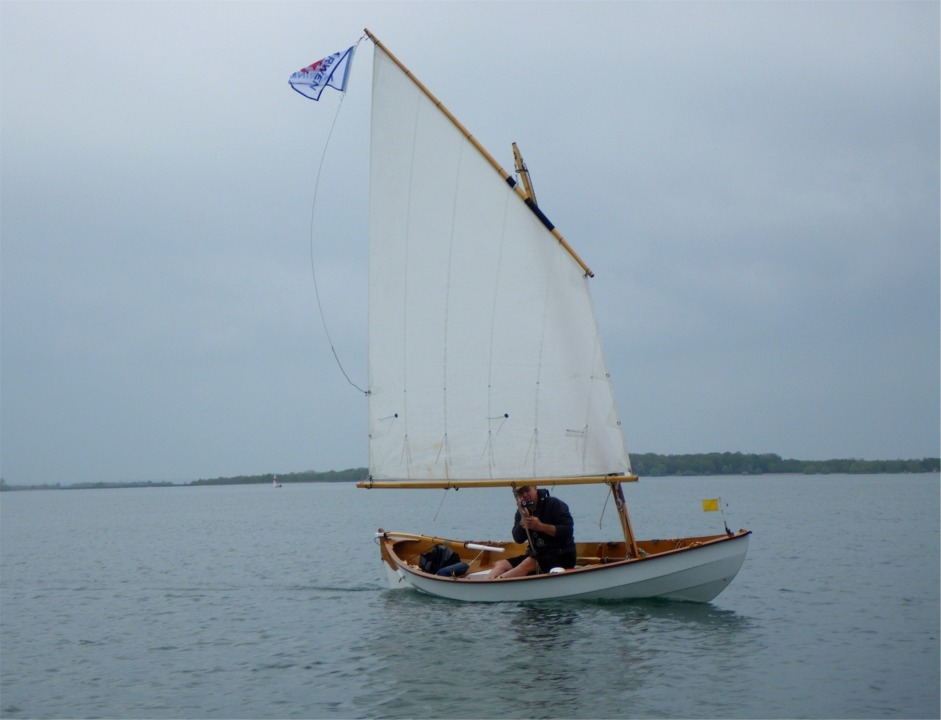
[755,185]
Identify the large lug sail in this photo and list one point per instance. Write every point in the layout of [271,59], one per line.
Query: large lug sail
[484,355]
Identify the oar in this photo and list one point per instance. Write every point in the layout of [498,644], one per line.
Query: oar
[442,541]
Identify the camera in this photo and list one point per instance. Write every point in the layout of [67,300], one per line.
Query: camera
[527,504]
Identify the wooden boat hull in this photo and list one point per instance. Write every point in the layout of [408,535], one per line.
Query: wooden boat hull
[689,569]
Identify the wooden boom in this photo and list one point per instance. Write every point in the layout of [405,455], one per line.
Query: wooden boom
[515,483]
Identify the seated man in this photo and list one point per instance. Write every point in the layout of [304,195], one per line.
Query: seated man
[546,524]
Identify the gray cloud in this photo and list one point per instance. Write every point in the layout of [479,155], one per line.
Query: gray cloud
[756,186]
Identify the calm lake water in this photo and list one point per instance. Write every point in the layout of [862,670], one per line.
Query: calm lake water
[255,602]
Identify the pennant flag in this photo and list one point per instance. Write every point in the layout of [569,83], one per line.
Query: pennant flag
[332,71]
[710,505]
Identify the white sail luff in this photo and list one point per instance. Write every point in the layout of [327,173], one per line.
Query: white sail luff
[484,355]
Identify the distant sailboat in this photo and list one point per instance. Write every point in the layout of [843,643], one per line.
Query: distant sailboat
[486,368]
[274,481]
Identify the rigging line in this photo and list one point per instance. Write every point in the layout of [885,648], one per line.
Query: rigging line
[605,506]
[313,271]
[441,504]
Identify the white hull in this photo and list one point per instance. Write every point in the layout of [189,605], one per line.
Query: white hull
[695,574]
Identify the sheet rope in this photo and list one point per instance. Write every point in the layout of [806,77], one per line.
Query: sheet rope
[313,271]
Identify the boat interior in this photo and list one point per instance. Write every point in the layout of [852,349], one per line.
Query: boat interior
[589,554]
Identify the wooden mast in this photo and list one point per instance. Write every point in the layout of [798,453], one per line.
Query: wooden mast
[483,151]
[625,519]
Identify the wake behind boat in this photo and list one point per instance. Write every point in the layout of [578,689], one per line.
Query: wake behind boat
[486,367]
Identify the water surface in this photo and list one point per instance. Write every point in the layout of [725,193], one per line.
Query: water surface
[255,602]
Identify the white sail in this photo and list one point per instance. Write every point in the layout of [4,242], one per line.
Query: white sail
[484,355]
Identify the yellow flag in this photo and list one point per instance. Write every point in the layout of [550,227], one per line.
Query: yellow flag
[710,505]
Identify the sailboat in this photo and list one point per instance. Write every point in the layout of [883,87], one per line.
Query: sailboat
[486,367]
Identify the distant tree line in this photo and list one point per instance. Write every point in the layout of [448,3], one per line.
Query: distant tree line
[728,463]
[4,485]
[350,475]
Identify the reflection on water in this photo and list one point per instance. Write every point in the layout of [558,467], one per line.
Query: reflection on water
[551,659]
[544,627]
[703,614]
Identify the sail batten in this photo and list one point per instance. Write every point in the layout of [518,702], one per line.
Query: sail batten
[484,356]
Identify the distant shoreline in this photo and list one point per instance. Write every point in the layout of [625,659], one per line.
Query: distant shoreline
[644,465]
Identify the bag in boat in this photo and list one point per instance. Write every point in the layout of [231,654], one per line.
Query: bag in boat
[442,560]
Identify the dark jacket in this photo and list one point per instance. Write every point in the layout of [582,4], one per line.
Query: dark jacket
[549,551]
